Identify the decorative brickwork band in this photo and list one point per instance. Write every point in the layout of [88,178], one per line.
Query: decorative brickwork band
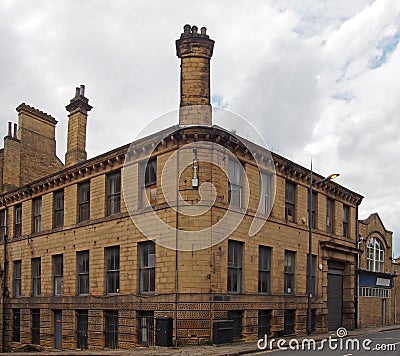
[195,51]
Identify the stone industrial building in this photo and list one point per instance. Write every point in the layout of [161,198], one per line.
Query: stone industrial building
[85,265]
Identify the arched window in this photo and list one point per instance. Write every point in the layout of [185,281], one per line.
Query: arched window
[375,255]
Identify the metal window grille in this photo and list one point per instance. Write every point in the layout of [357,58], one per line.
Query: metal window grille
[35,315]
[264,269]
[235,263]
[111,329]
[82,329]
[147,264]
[59,208]
[289,320]
[18,221]
[374,292]
[114,193]
[84,201]
[112,269]
[16,325]
[36,276]
[58,274]
[37,215]
[17,278]
[146,328]
[236,316]
[264,322]
[83,272]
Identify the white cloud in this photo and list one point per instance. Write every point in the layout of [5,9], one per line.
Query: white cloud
[315,77]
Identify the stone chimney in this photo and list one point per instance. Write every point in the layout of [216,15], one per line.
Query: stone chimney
[195,51]
[77,119]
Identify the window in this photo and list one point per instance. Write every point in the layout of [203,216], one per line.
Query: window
[36,276]
[235,183]
[375,255]
[84,201]
[264,323]
[290,190]
[58,274]
[82,329]
[288,321]
[147,263]
[346,220]
[16,325]
[83,272]
[235,263]
[114,193]
[314,208]
[289,271]
[264,269]
[35,326]
[145,328]
[3,225]
[18,221]
[313,274]
[59,208]
[111,331]
[330,205]
[17,278]
[148,179]
[112,269]
[37,215]
[150,173]
[265,184]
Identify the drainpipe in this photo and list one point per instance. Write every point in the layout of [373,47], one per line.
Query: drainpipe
[176,247]
[356,296]
[3,294]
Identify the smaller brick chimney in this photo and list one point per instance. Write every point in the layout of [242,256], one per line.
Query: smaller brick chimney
[195,51]
[77,119]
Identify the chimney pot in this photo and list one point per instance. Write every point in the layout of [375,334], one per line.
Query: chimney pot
[15,130]
[76,92]
[203,30]
[186,29]
[82,92]
[194,29]
[9,129]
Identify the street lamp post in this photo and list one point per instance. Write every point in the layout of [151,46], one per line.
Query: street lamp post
[310,227]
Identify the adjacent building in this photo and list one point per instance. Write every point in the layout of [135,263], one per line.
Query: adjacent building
[86,266]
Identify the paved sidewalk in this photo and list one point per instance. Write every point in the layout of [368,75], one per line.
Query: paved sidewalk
[238,348]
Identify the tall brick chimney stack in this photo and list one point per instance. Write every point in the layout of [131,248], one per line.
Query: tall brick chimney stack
[76,141]
[195,51]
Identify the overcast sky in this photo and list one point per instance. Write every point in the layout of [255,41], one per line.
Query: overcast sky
[318,79]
